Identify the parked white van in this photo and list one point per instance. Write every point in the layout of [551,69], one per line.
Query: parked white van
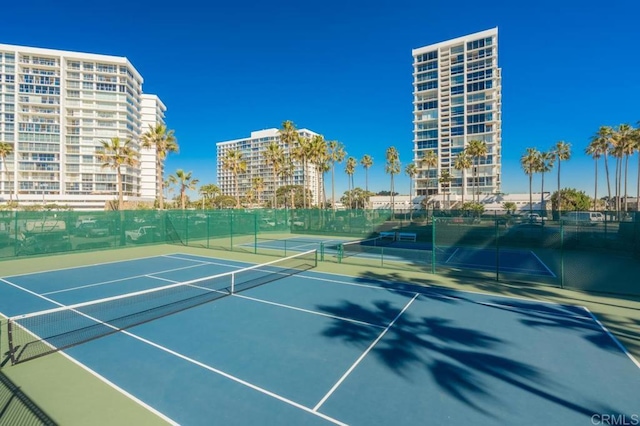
[582,218]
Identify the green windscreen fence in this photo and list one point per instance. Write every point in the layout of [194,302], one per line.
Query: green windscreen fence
[593,251]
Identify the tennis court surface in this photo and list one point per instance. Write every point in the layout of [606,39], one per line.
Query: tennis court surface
[318,348]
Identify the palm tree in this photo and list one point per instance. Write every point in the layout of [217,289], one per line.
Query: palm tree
[462,163]
[234,162]
[637,144]
[257,184]
[445,180]
[164,142]
[411,170]
[301,152]
[274,157]
[115,154]
[186,181]
[562,152]
[476,149]
[601,142]
[595,150]
[289,136]
[350,169]
[625,143]
[336,155]
[5,150]
[547,159]
[530,163]
[209,191]
[318,157]
[392,168]
[366,162]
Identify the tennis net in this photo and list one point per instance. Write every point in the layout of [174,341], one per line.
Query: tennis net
[40,333]
[369,245]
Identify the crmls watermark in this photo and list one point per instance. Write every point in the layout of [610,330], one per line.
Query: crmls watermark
[615,419]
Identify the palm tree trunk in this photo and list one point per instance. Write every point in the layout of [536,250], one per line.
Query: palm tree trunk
[333,186]
[542,206]
[120,191]
[393,204]
[160,183]
[638,187]
[606,171]
[626,175]
[304,183]
[595,190]
[275,189]
[559,192]
[235,181]
[530,192]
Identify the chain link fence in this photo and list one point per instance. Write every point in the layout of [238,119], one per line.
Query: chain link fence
[591,251]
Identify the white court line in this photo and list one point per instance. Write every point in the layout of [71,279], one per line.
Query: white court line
[322,314]
[294,308]
[355,364]
[108,382]
[614,338]
[184,357]
[452,255]
[90,265]
[119,279]
[543,264]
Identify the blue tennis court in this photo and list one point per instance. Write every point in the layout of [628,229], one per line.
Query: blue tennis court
[321,348]
[514,261]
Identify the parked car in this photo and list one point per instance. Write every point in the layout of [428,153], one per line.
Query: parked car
[94,229]
[144,234]
[45,242]
[582,218]
[533,232]
[534,218]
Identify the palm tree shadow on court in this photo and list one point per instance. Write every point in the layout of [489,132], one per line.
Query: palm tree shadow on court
[463,362]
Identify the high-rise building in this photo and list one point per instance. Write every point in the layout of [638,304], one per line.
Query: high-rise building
[55,108]
[457,99]
[252,150]
[151,114]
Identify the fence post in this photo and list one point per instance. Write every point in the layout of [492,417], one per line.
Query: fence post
[561,254]
[231,229]
[497,227]
[433,245]
[255,233]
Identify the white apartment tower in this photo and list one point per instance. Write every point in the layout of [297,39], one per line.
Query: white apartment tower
[152,112]
[252,149]
[457,99]
[55,108]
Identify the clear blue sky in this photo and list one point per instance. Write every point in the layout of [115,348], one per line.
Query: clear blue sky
[343,69]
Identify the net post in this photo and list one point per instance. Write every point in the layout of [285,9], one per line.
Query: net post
[321,252]
[315,265]
[12,352]
[340,252]
[233,283]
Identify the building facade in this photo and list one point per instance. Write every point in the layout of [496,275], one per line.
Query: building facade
[152,112]
[252,149]
[457,99]
[55,108]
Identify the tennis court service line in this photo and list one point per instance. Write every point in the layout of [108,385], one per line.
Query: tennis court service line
[364,354]
[85,266]
[186,358]
[108,382]
[281,305]
[119,279]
